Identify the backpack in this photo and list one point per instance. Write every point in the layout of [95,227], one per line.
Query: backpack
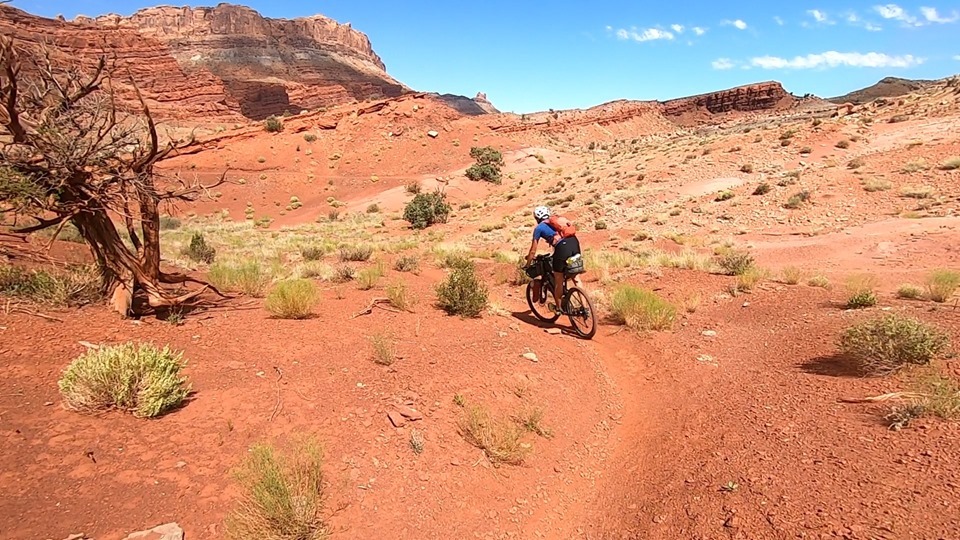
[563,226]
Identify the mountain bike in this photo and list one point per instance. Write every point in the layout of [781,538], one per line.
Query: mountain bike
[575,303]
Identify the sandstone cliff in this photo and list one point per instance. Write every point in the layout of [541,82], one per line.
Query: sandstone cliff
[224,61]
[766,96]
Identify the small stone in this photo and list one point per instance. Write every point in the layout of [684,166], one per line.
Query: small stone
[432,134]
[732,522]
[170,531]
[47,403]
[709,333]
[659,519]
[553,331]
[746,304]
[424,477]
[181,464]
[408,413]
[396,419]
[530,356]
[455,462]
[88,345]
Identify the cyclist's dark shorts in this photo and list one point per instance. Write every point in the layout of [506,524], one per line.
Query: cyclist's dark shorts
[566,248]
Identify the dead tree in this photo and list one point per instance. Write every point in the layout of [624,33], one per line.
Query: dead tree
[69,152]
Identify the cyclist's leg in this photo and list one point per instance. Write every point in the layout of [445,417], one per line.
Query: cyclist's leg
[560,253]
[558,278]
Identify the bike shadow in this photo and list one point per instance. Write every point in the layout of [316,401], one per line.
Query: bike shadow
[530,319]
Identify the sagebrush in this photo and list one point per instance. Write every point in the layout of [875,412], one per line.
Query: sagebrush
[139,378]
[641,309]
[888,343]
[462,293]
[293,299]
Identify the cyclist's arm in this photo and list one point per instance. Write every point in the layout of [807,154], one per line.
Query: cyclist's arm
[533,251]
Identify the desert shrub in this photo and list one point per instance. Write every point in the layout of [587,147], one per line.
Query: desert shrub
[382,350]
[368,277]
[917,192]
[941,395]
[169,223]
[641,309]
[915,165]
[293,299]
[373,209]
[861,291]
[899,118]
[600,225]
[951,164]
[819,281]
[343,274]
[843,145]
[910,292]
[500,439]
[247,277]
[746,168]
[487,166]
[724,196]
[413,187]
[942,283]
[735,263]
[789,134]
[282,495]
[309,137]
[806,150]
[139,378]
[886,344]
[792,275]
[855,163]
[750,278]
[876,184]
[199,250]
[427,209]
[73,286]
[356,253]
[797,200]
[273,124]
[399,296]
[407,263]
[531,420]
[462,293]
[312,253]
[762,189]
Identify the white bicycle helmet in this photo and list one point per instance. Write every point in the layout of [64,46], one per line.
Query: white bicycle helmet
[541,213]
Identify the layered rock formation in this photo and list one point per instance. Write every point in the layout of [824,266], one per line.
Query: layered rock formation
[226,60]
[766,96]
[467,106]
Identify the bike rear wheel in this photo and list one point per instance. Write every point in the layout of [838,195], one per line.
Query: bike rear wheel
[580,310]
[539,305]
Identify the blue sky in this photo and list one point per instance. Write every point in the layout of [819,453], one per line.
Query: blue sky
[529,56]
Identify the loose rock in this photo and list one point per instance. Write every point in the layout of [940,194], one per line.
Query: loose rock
[170,531]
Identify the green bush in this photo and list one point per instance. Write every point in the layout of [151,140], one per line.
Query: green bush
[273,124]
[724,196]
[641,309]
[373,208]
[487,167]
[762,189]
[797,200]
[888,343]
[140,378]
[427,209]
[462,293]
[309,137]
[199,250]
[861,289]
[293,299]
[282,496]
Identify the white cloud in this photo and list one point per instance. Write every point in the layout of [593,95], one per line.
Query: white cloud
[699,30]
[722,63]
[832,59]
[931,15]
[957,57]
[678,28]
[817,15]
[778,20]
[649,34]
[873,27]
[853,18]
[897,13]
[739,24]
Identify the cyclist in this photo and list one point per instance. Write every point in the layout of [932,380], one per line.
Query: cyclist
[564,247]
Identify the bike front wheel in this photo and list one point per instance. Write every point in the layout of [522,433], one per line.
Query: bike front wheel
[580,310]
[539,305]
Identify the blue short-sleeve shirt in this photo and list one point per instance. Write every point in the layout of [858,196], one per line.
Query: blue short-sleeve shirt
[542,230]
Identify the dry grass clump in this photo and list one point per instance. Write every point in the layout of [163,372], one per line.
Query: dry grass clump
[886,344]
[369,277]
[382,350]
[407,263]
[359,253]
[500,439]
[641,309]
[72,286]
[283,496]
[293,299]
[861,291]
[915,165]
[735,263]
[750,278]
[917,192]
[910,292]
[400,297]
[531,419]
[872,185]
[139,378]
[248,277]
[819,281]
[312,253]
[792,275]
[951,164]
[942,284]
